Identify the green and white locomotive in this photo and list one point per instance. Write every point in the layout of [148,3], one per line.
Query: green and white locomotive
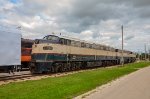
[59,54]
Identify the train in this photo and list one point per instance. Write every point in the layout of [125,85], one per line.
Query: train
[58,54]
[26,48]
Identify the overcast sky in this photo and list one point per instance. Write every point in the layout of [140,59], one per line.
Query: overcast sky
[93,20]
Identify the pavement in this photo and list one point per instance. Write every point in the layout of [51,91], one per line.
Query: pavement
[133,86]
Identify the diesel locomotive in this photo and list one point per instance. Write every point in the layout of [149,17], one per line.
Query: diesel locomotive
[26,48]
[58,54]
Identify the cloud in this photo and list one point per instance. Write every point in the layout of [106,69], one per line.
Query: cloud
[93,20]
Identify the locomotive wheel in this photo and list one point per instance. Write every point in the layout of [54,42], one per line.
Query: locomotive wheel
[73,67]
[52,68]
[68,67]
[78,65]
[62,68]
[32,67]
[56,69]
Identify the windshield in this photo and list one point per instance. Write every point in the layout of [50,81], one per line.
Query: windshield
[51,37]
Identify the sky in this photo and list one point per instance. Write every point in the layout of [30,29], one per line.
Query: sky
[97,21]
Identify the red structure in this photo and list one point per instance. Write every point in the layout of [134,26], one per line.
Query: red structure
[26,49]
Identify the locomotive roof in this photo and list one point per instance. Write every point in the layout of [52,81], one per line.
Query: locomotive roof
[27,40]
[76,39]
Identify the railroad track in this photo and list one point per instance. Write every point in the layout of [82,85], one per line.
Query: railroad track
[5,79]
[24,77]
[14,77]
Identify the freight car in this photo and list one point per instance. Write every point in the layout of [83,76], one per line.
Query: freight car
[25,49]
[10,48]
[58,54]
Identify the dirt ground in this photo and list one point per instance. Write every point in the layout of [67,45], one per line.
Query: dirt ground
[133,86]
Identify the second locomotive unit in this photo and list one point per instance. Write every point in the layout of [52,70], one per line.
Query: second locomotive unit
[26,48]
[58,54]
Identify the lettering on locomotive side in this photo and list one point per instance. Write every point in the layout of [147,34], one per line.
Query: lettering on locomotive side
[47,48]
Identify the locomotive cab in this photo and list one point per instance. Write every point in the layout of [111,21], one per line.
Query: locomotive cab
[48,39]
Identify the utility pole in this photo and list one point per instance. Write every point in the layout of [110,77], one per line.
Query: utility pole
[145,52]
[149,54]
[122,59]
[138,55]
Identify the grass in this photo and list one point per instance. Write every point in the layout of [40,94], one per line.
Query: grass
[67,86]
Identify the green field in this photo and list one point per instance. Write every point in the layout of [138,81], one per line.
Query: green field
[66,86]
